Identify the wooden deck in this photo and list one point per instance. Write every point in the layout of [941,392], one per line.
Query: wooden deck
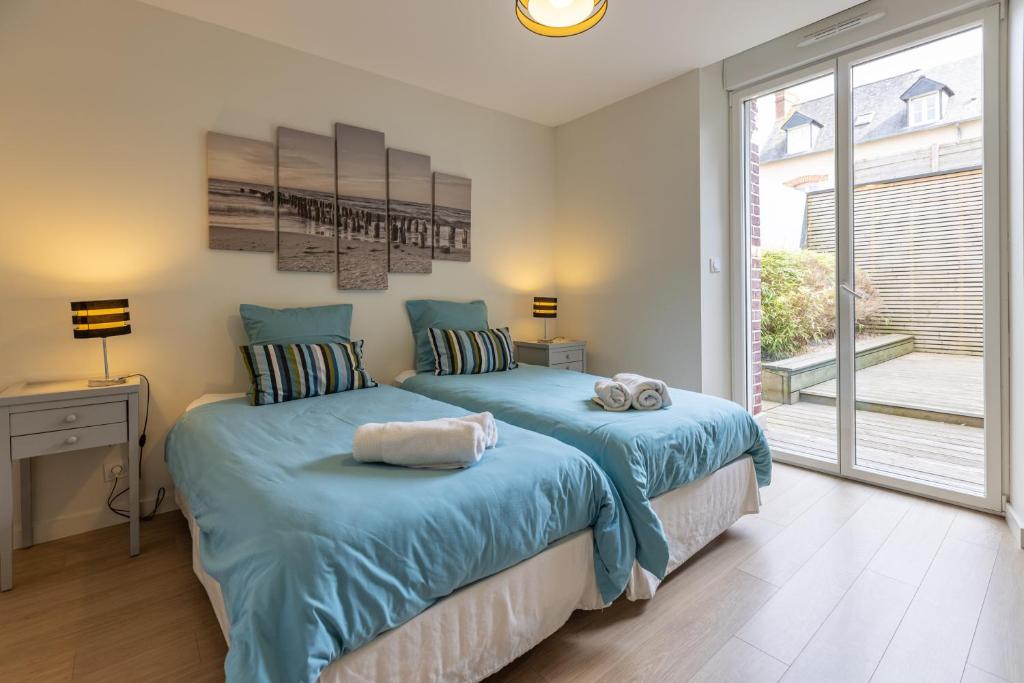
[935,386]
[948,455]
[919,416]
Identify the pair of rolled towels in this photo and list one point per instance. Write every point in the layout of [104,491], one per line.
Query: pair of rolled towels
[627,390]
[445,443]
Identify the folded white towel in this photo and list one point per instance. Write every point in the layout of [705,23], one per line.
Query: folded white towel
[446,443]
[612,395]
[645,393]
[487,423]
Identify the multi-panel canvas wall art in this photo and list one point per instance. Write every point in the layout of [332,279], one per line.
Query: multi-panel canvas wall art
[240,192]
[306,206]
[409,212]
[345,205]
[452,217]
[362,208]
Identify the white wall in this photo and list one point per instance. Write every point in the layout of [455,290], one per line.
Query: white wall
[642,206]
[628,230]
[1016,233]
[715,289]
[105,108]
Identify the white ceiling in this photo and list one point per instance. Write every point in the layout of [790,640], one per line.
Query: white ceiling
[475,50]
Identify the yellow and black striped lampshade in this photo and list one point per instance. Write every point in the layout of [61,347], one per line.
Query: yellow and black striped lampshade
[95,319]
[545,307]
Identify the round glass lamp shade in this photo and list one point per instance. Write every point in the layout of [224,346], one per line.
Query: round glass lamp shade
[560,18]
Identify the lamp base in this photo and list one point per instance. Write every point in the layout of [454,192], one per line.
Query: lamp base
[113,381]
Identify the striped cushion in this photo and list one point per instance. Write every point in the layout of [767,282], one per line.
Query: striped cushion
[286,372]
[471,352]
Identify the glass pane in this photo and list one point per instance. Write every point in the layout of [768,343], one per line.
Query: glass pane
[918,250]
[792,294]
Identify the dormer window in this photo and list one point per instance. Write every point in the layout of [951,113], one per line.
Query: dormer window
[801,133]
[864,119]
[926,101]
[799,139]
[924,109]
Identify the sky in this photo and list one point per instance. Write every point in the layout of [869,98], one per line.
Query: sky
[942,51]
[234,158]
[409,176]
[452,191]
[305,161]
[362,163]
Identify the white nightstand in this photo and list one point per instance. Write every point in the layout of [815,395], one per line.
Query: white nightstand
[59,417]
[567,355]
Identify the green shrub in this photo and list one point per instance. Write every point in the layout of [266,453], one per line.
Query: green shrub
[798,301]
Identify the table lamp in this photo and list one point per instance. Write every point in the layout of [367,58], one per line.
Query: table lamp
[101,319]
[545,307]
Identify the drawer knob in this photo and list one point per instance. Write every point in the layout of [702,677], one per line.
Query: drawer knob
[71,440]
[71,418]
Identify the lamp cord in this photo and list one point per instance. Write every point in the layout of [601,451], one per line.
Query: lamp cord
[161,493]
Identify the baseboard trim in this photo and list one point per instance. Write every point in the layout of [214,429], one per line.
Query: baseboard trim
[70,525]
[1016,521]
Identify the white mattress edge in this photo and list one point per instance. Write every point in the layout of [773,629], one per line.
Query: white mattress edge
[402,376]
[212,398]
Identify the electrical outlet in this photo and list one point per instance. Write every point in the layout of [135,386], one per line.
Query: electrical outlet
[115,465]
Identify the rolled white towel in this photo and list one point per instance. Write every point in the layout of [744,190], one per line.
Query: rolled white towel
[487,423]
[446,443]
[645,393]
[612,395]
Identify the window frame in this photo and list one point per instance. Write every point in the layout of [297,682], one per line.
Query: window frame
[996,235]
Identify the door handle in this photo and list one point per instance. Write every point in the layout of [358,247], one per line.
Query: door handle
[854,292]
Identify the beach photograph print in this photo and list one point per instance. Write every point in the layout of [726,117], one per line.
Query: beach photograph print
[362,208]
[305,202]
[409,212]
[452,217]
[240,193]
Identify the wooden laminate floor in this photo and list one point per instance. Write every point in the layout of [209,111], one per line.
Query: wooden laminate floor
[833,581]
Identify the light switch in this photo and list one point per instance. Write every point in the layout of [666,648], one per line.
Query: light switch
[715,264]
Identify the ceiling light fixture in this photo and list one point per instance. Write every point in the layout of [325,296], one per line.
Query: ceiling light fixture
[560,18]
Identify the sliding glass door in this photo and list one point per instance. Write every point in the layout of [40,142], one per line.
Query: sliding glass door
[869,221]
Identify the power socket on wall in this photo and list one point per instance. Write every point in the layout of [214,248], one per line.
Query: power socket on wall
[115,465]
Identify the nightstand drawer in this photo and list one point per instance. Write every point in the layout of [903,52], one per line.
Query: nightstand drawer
[38,421]
[565,356]
[68,440]
[576,366]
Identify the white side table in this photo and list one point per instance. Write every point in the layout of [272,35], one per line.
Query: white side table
[59,417]
[566,355]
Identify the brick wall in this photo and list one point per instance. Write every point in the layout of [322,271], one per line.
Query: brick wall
[755,264]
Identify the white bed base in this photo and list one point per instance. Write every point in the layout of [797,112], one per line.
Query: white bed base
[482,627]
[694,515]
[473,632]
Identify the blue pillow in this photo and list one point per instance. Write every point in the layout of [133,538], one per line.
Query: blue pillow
[446,315]
[313,325]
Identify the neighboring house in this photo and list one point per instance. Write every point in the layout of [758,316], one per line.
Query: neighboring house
[914,123]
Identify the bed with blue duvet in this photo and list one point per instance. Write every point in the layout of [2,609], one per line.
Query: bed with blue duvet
[649,455]
[321,567]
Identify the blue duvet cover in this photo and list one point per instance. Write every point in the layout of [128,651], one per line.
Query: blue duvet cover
[645,453]
[317,554]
